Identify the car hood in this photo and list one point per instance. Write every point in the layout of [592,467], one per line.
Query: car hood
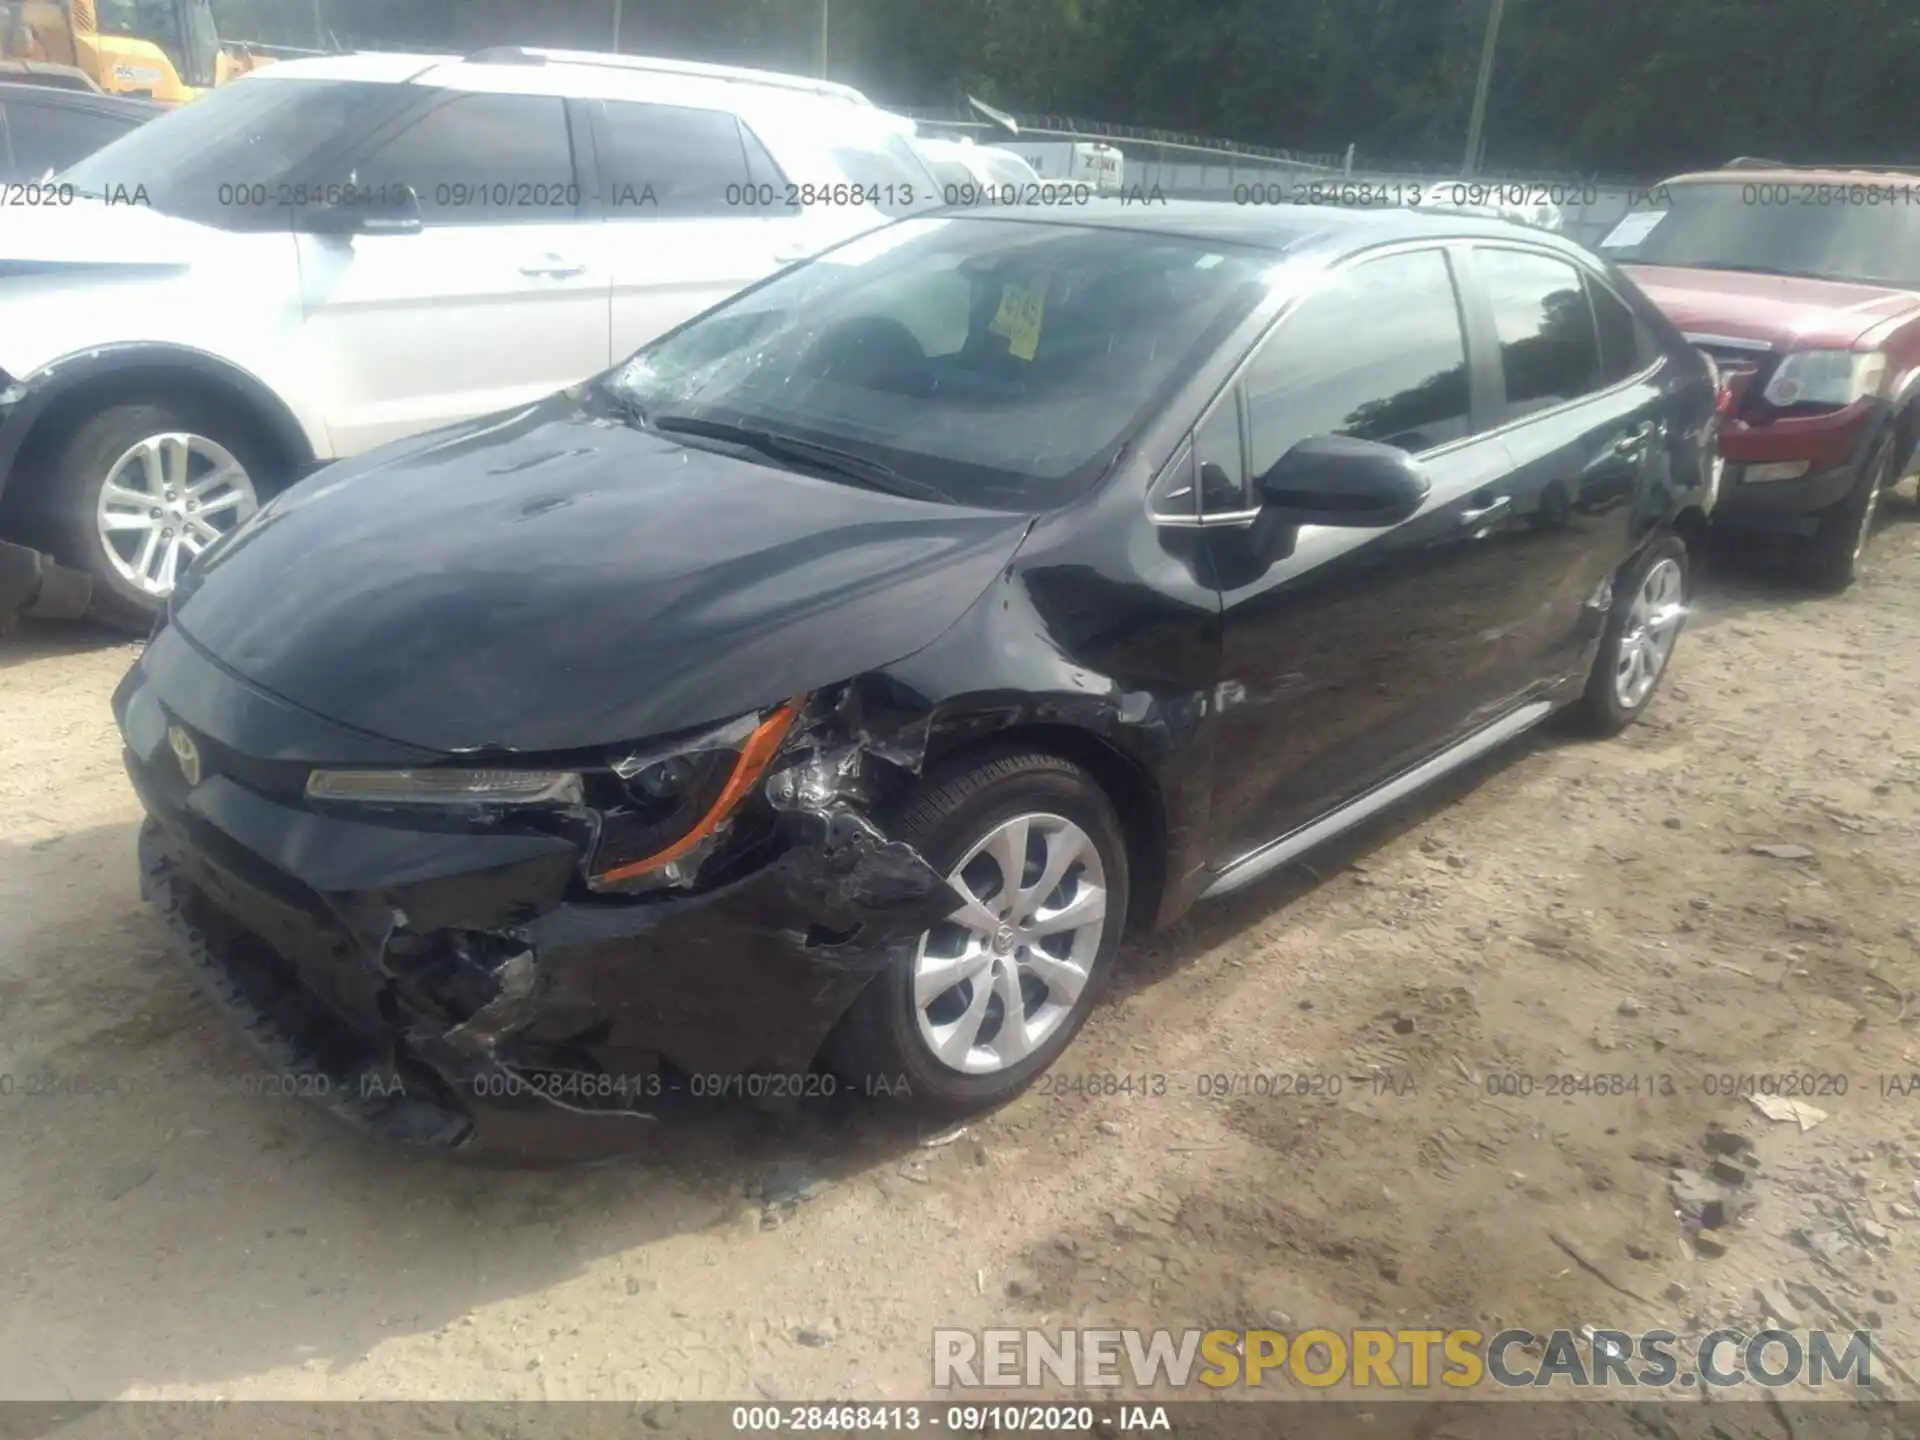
[1780,310]
[551,579]
[94,233]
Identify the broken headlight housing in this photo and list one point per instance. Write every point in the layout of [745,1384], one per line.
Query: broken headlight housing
[674,802]
[648,819]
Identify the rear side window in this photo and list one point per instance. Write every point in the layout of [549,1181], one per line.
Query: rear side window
[483,160]
[44,137]
[1378,355]
[1549,350]
[771,194]
[673,162]
[1624,343]
[890,174]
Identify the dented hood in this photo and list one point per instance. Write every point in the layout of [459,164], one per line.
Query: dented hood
[1785,311]
[549,580]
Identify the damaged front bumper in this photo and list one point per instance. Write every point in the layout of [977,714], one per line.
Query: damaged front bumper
[447,989]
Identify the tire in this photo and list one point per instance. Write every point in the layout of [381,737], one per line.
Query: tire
[1829,559]
[1610,705]
[884,1037]
[104,446]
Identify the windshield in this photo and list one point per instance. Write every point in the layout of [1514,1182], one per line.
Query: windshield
[222,159]
[1732,225]
[998,363]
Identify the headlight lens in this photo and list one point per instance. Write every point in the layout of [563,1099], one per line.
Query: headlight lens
[446,787]
[1826,377]
[677,799]
[657,814]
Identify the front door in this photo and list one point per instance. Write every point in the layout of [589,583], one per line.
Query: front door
[1351,654]
[498,300]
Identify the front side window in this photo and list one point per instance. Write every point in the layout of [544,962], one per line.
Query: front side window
[672,162]
[478,159]
[222,160]
[1377,354]
[1549,351]
[996,363]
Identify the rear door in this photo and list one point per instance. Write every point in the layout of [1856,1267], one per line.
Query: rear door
[1582,420]
[499,299]
[1357,652]
[693,209]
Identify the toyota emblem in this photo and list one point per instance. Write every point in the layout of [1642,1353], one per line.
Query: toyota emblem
[186,752]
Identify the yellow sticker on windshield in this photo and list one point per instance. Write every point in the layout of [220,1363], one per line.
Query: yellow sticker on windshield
[1019,316]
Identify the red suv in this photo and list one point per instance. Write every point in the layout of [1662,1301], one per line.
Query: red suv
[1803,285]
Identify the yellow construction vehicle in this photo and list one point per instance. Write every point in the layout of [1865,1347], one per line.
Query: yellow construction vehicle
[164,50]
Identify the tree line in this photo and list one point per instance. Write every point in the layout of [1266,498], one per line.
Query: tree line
[1616,87]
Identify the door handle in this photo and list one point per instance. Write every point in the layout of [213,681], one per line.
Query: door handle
[1492,510]
[1635,440]
[553,266]
[794,254]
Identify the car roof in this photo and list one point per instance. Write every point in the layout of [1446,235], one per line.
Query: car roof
[1283,229]
[547,71]
[1776,172]
[54,97]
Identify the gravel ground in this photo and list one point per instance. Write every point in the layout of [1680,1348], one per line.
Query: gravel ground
[1569,908]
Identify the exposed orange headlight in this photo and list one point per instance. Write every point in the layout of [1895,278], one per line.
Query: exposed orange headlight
[755,756]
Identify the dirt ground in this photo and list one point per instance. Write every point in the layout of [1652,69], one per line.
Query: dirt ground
[1568,908]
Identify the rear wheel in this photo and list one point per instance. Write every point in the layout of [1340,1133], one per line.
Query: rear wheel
[139,490]
[1643,627]
[1829,559]
[991,996]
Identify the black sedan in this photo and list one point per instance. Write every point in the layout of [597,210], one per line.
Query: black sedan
[814,702]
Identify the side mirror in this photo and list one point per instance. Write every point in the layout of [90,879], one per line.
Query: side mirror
[1334,480]
[399,215]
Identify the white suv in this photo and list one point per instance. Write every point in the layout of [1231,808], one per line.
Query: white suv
[334,253]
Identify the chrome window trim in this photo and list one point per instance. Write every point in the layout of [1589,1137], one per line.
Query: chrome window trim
[1239,518]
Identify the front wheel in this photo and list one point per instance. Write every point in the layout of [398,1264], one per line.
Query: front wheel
[140,490]
[992,995]
[1643,626]
[1829,559]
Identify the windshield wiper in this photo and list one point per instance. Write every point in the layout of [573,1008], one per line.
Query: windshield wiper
[791,449]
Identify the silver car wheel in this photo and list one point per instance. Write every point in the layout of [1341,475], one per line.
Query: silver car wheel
[995,981]
[1653,624]
[164,501]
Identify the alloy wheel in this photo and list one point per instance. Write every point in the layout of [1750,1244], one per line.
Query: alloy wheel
[166,499]
[995,981]
[1653,624]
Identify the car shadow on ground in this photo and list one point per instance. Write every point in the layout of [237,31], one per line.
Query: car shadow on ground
[1742,574]
[33,640]
[184,1228]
